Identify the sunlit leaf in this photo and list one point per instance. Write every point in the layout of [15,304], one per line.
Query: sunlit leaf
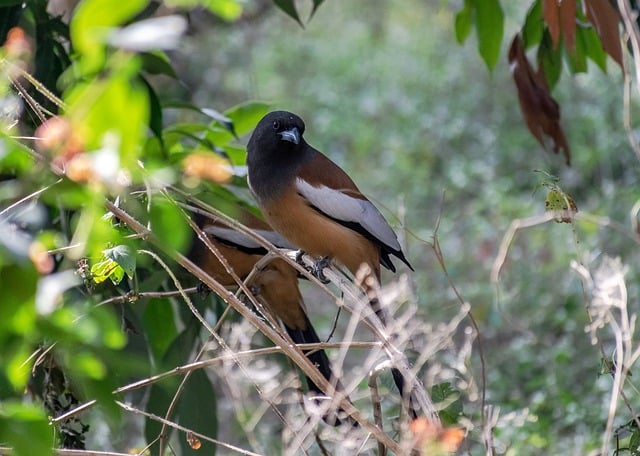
[228,10]
[124,256]
[89,365]
[112,113]
[93,21]
[107,268]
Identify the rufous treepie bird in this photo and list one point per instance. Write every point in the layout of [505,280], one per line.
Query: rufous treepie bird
[313,203]
[275,284]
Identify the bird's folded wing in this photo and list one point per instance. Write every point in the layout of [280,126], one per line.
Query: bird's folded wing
[243,241]
[344,206]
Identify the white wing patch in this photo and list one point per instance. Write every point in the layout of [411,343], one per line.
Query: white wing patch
[340,206]
[236,237]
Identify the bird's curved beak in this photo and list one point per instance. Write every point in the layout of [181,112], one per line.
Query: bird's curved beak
[292,135]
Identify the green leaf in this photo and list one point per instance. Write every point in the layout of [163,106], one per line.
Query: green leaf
[289,7]
[448,398]
[634,442]
[593,46]
[223,120]
[161,393]
[490,29]
[197,411]
[125,257]
[92,22]
[107,268]
[533,26]
[157,62]
[246,116]
[155,110]
[159,325]
[26,429]
[112,114]
[169,225]
[17,312]
[229,10]
[578,60]
[463,21]
[550,59]
[14,157]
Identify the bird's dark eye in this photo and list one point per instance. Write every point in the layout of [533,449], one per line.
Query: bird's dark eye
[276,124]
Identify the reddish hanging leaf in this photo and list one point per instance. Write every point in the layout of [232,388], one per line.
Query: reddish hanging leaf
[568,23]
[605,19]
[541,112]
[551,16]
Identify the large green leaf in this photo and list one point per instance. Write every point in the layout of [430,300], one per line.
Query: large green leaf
[533,26]
[490,29]
[198,411]
[159,326]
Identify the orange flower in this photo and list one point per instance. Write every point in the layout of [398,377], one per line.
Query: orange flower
[205,165]
[431,438]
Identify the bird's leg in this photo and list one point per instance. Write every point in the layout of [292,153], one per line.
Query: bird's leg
[299,255]
[202,289]
[317,268]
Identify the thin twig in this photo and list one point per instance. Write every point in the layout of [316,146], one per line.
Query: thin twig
[151,416]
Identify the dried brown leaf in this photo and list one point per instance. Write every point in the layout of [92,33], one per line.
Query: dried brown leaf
[541,112]
[551,16]
[606,21]
[568,23]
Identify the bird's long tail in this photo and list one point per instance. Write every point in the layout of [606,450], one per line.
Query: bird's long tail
[370,283]
[319,358]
